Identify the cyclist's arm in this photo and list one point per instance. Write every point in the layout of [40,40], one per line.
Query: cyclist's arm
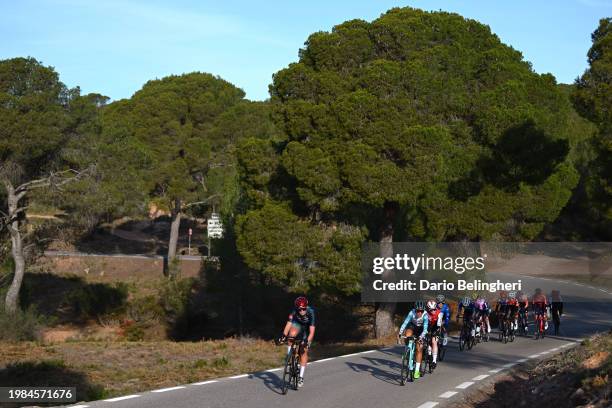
[405,324]
[425,326]
[311,334]
[447,314]
[287,328]
[440,319]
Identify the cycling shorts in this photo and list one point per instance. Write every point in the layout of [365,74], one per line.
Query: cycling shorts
[303,331]
[416,330]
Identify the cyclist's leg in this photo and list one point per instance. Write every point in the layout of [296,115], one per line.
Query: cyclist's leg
[434,347]
[294,332]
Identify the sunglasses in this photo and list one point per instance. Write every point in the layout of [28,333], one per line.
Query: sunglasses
[301,309]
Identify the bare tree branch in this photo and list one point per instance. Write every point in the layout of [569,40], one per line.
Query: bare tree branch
[200,202]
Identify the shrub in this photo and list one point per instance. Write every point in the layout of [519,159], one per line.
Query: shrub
[21,326]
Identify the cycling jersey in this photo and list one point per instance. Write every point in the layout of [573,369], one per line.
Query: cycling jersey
[303,321]
[419,323]
[468,311]
[446,313]
[502,305]
[435,318]
[539,303]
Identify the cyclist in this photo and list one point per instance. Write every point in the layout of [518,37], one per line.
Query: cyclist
[501,308]
[468,313]
[523,302]
[556,306]
[482,311]
[446,313]
[513,307]
[539,305]
[416,323]
[435,317]
[301,326]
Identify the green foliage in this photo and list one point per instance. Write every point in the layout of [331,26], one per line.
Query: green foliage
[34,116]
[174,296]
[593,100]
[426,112]
[298,255]
[20,326]
[98,299]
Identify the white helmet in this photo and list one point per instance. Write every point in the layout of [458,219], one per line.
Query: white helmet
[431,305]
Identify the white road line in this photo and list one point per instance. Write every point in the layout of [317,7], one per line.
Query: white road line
[522,360]
[428,404]
[78,406]
[180,387]
[205,382]
[496,370]
[239,376]
[369,351]
[554,349]
[534,356]
[350,355]
[325,359]
[274,369]
[545,352]
[509,365]
[480,377]
[447,394]
[121,398]
[464,385]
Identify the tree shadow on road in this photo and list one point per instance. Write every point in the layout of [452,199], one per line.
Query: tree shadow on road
[391,377]
[272,381]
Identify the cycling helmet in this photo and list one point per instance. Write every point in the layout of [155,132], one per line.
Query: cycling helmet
[419,306]
[512,295]
[301,302]
[467,301]
[440,298]
[431,305]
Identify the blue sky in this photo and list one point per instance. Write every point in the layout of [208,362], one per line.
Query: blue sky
[114,46]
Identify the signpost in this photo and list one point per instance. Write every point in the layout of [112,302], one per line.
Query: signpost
[190,234]
[214,229]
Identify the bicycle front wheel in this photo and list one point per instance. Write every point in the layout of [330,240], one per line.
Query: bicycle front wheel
[286,375]
[404,372]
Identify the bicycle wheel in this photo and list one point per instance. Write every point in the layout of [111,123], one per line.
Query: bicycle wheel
[411,347]
[287,374]
[296,371]
[441,348]
[404,371]
[462,339]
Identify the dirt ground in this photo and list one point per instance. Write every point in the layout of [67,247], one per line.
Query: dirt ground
[579,377]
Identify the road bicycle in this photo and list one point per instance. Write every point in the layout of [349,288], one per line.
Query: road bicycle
[408,358]
[540,326]
[556,317]
[428,351]
[466,337]
[442,343]
[522,323]
[292,367]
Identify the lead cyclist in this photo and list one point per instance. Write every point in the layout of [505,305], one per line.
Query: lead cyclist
[301,326]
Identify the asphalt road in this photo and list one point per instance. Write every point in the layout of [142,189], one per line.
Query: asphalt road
[371,378]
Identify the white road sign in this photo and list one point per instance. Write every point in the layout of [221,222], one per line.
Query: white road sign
[215,226]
